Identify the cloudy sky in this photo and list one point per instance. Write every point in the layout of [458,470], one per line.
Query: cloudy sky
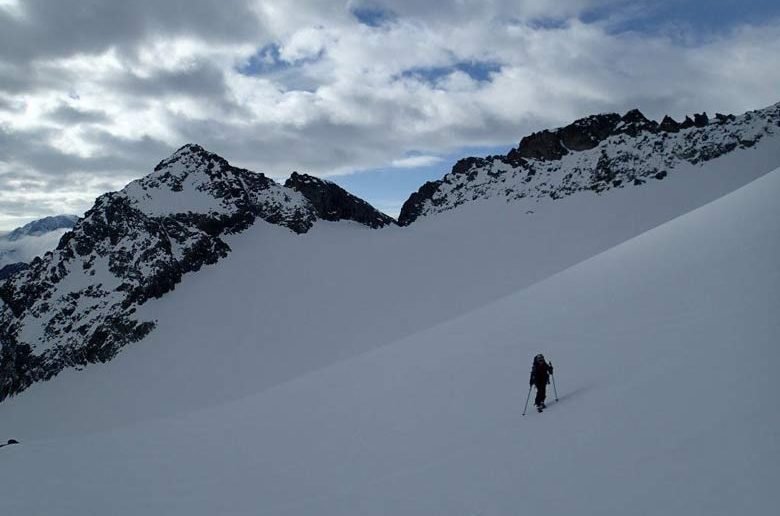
[379,95]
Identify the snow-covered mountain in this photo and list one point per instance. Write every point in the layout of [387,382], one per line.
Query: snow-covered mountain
[665,349]
[41,227]
[596,153]
[76,305]
[21,245]
[90,297]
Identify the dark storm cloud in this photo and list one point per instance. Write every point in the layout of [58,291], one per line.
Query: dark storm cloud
[49,29]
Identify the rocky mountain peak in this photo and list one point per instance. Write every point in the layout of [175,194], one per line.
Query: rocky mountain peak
[544,145]
[594,153]
[634,122]
[583,134]
[588,132]
[77,304]
[669,125]
[331,202]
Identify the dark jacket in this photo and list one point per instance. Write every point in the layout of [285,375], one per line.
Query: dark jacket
[540,373]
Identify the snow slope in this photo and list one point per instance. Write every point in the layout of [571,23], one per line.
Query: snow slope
[86,300]
[665,350]
[277,307]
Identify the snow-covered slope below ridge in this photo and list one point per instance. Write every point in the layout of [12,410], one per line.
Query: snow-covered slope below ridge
[80,304]
[665,353]
[76,305]
[277,306]
[596,153]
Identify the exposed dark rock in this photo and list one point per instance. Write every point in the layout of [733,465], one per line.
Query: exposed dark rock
[595,153]
[603,174]
[669,125]
[722,119]
[587,133]
[11,269]
[687,123]
[544,145]
[331,202]
[412,208]
[464,165]
[634,122]
[583,134]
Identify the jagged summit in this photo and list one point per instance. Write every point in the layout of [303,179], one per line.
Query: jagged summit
[76,305]
[595,153]
[584,134]
[332,202]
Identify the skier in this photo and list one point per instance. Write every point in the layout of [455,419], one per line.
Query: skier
[540,378]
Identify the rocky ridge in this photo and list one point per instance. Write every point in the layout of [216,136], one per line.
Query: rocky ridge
[595,153]
[332,202]
[12,268]
[76,305]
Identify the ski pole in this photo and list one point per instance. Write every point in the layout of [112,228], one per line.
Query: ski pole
[526,399]
[555,389]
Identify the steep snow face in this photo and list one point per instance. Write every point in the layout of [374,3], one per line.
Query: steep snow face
[594,154]
[665,350]
[76,305]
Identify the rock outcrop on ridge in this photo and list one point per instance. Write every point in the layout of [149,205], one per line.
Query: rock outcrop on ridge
[595,153]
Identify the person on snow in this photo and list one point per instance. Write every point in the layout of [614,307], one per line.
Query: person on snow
[540,378]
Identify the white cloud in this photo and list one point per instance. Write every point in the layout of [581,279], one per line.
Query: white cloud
[12,7]
[91,112]
[416,161]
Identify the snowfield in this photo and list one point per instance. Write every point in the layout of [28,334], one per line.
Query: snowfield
[351,371]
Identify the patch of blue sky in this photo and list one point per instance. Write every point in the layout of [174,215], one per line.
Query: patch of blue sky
[477,70]
[697,17]
[268,61]
[388,188]
[372,16]
[264,61]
